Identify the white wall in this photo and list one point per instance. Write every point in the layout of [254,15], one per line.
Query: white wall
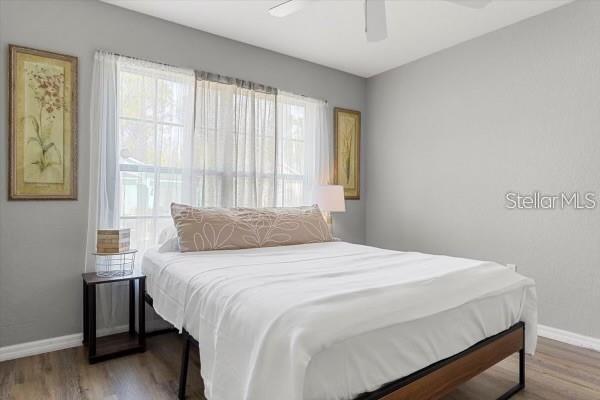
[517,109]
[42,244]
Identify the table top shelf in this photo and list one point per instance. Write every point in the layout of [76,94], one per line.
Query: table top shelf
[91,278]
[121,253]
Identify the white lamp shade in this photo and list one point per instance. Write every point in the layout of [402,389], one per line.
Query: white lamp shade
[330,198]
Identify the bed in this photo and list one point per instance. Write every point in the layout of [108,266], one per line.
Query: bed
[338,321]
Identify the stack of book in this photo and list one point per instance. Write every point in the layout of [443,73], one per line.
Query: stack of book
[113,240]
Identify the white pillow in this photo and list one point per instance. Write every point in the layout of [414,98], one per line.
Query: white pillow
[168,240]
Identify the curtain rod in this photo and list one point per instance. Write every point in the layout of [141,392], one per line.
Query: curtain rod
[196,72]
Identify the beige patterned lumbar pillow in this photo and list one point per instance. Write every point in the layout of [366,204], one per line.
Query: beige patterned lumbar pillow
[201,229]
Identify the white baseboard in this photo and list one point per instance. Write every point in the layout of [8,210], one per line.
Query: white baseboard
[40,346]
[571,338]
[53,344]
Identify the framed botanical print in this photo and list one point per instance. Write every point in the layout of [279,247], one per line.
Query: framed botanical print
[347,152]
[42,125]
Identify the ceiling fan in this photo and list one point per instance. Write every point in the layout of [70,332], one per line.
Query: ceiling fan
[375,19]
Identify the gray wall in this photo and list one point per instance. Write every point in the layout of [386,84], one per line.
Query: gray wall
[515,110]
[42,244]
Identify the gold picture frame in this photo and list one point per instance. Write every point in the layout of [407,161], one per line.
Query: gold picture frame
[42,125]
[347,152]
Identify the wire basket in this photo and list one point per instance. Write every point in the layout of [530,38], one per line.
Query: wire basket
[115,264]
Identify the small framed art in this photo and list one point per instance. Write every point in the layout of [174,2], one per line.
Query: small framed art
[347,151]
[42,125]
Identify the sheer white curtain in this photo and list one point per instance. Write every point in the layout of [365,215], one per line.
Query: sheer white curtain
[255,148]
[234,145]
[304,148]
[104,142]
[104,173]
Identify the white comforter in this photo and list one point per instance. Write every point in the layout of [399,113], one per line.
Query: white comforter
[260,316]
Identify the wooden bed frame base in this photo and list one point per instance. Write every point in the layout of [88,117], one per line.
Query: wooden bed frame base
[432,382]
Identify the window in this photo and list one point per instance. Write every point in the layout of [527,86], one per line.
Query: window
[211,144]
[155,122]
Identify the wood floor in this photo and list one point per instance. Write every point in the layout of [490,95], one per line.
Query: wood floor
[557,372]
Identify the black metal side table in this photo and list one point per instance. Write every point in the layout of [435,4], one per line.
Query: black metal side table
[120,344]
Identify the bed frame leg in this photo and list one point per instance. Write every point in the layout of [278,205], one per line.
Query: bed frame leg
[521,385]
[185,356]
[522,368]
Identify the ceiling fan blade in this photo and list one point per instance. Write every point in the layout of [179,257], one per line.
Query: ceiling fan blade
[288,7]
[375,20]
[471,3]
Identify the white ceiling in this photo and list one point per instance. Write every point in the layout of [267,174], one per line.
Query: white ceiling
[331,32]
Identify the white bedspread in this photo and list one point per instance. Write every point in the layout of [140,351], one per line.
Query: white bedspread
[261,316]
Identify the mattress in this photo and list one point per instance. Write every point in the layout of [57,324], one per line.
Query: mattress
[357,362]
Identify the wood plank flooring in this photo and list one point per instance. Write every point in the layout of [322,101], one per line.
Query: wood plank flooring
[557,372]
